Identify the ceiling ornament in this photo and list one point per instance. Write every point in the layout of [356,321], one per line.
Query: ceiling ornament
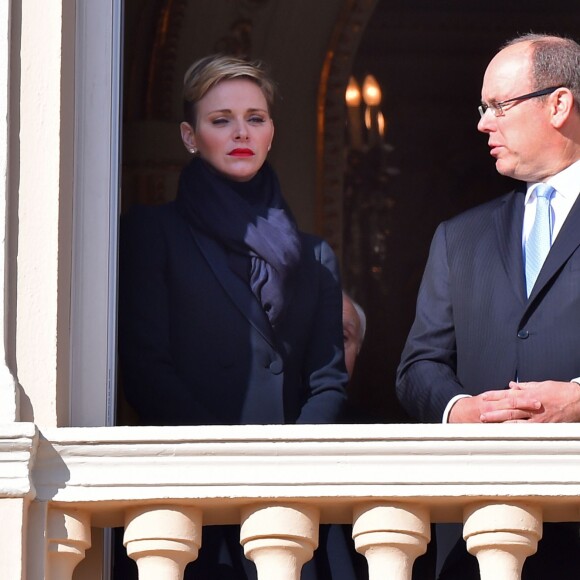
[238,41]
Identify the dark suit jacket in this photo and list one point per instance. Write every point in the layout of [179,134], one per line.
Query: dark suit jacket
[475,330]
[195,345]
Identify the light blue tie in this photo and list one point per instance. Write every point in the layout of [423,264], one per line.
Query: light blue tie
[540,238]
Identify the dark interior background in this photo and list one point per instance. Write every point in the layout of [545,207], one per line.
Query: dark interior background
[429,57]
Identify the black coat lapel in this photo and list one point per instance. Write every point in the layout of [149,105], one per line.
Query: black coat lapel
[508,219]
[238,291]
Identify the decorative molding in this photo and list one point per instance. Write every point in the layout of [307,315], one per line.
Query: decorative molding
[18,445]
[238,41]
[331,118]
[159,81]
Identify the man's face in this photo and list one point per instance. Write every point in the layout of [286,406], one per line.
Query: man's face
[351,334]
[519,137]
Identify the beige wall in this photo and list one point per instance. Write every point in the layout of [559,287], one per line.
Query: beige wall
[41,188]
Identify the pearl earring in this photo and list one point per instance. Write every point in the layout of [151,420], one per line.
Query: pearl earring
[193,150]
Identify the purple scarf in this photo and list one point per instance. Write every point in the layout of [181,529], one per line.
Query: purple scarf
[252,221]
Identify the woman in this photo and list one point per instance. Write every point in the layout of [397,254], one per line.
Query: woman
[229,314]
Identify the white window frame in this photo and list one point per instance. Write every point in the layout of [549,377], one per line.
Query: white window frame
[98,109]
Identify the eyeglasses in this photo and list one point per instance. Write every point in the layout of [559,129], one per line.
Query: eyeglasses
[497,108]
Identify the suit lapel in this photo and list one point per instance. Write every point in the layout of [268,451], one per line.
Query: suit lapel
[508,219]
[564,246]
[239,292]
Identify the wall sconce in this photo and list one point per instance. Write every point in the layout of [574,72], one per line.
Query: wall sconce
[368,201]
[374,121]
[353,100]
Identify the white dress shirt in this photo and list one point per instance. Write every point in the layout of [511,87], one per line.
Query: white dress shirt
[567,186]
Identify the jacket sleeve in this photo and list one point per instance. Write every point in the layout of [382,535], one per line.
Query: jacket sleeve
[149,379]
[324,368]
[426,377]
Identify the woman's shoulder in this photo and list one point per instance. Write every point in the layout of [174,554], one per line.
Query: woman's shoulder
[151,218]
[317,249]
[152,226]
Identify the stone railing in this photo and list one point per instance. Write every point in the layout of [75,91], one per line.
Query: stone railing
[280,483]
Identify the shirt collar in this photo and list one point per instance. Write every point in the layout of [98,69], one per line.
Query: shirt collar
[566,183]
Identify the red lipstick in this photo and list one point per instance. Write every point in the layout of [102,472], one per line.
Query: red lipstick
[241,153]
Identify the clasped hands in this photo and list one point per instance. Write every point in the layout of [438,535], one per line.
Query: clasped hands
[536,402]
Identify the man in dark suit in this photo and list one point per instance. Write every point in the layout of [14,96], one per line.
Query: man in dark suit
[492,342]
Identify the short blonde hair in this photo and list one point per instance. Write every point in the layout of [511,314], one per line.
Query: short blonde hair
[207,72]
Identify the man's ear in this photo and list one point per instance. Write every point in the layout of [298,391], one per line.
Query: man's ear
[561,106]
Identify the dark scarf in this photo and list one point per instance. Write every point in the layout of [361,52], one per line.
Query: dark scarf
[252,221]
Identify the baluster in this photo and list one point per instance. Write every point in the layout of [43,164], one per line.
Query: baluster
[163,540]
[391,537]
[279,539]
[502,536]
[68,538]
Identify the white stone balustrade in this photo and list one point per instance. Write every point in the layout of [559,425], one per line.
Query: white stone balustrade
[280,483]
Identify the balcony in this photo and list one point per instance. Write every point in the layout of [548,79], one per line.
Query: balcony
[280,482]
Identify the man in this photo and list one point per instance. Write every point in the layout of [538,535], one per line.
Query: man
[490,341]
[353,328]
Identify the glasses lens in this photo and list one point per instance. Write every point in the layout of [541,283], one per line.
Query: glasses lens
[482,109]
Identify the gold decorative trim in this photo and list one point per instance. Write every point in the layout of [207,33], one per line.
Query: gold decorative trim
[331,118]
[161,69]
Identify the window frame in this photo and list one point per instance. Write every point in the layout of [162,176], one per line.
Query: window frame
[98,113]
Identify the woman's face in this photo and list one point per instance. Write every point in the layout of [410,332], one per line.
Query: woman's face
[233,131]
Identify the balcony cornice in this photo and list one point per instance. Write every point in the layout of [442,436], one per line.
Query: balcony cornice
[440,465]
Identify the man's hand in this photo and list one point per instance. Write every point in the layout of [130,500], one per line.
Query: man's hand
[496,407]
[560,401]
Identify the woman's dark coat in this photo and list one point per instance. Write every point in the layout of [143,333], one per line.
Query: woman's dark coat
[196,348]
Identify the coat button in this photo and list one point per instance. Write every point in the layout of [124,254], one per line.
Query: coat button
[276,366]
[523,334]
